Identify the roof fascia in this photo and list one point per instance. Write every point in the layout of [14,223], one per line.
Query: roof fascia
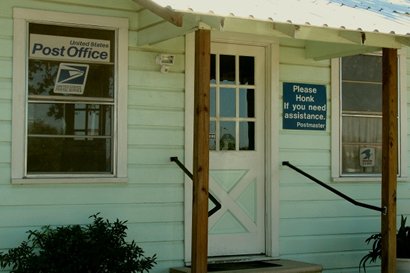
[174,24]
[403,40]
[323,51]
[312,33]
[169,15]
[164,30]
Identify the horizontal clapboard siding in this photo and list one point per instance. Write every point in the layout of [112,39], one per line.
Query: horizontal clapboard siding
[316,225]
[152,200]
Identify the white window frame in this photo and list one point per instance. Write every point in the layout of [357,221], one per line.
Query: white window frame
[336,124]
[21,18]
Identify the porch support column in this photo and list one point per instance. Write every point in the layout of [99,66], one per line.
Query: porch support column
[389,161]
[201,152]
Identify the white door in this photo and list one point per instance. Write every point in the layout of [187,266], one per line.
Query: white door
[237,152]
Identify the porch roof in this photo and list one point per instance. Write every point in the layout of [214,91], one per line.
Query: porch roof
[345,27]
[391,17]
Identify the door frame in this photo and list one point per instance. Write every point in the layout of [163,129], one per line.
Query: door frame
[272,125]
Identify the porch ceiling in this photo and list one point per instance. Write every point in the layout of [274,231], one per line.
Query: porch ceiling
[341,27]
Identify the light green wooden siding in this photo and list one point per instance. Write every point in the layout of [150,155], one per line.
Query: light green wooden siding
[316,225]
[152,200]
[5,96]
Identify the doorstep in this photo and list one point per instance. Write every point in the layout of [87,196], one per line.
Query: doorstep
[278,266]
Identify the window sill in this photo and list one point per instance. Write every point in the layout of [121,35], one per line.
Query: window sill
[65,180]
[365,179]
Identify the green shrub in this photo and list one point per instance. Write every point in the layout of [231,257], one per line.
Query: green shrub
[95,248]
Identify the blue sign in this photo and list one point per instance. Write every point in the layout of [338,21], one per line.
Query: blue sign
[304,106]
[71,78]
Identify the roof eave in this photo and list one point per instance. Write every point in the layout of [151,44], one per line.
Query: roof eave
[174,24]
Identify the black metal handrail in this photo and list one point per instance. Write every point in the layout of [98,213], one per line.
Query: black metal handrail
[344,196]
[218,205]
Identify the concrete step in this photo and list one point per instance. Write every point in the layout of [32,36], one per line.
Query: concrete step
[268,266]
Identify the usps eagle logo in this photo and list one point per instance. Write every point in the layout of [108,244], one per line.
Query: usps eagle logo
[367,156]
[71,78]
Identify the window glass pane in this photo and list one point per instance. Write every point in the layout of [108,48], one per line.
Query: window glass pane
[247,136]
[227,131]
[227,102]
[212,136]
[62,155]
[351,154]
[42,76]
[247,103]
[361,114]
[69,119]
[92,120]
[360,133]
[246,70]
[227,69]
[70,130]
[358,129]
[46,119]
[362,68]
[363,97]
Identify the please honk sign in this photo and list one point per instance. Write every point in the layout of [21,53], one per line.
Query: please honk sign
[69,48]
[304,106]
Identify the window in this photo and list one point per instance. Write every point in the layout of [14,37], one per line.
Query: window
[69,79]
[357,116]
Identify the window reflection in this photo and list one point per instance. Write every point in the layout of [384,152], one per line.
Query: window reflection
[227,132]
[69,119]
[42,75]
[53,142]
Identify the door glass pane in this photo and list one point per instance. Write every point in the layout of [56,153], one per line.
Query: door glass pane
[227,69]
[213,68]
[227,102]
[246,103]
[212,136]
[227,132]
[212,101]
[247,136]
[246,70]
